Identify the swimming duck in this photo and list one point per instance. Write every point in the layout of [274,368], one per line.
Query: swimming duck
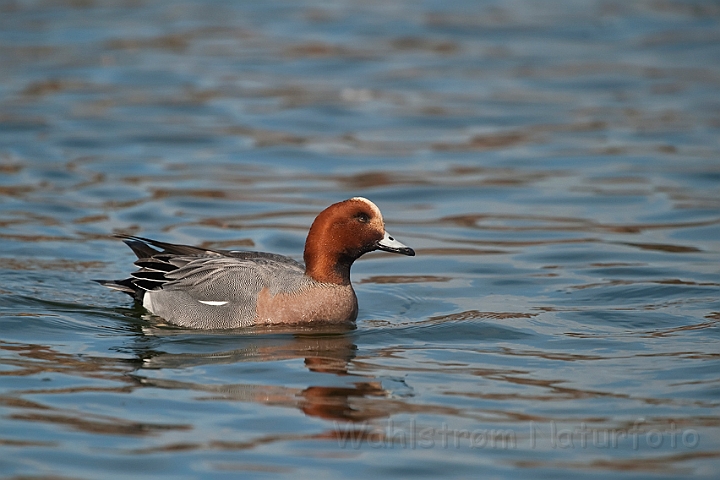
[218,289]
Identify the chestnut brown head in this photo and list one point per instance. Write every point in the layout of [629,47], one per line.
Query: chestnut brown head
[341,234]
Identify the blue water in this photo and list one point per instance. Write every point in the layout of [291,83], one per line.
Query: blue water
[556,166]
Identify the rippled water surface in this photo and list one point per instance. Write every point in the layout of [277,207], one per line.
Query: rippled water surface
[556,165]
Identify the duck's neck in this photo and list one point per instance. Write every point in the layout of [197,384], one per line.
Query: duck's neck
[326,266]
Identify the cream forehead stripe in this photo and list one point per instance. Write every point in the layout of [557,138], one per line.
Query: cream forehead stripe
[370,204]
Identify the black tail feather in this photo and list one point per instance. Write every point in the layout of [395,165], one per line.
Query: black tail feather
[154,264]
[141,247]
[126,286]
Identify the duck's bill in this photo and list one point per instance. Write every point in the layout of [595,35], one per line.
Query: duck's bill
[389,244]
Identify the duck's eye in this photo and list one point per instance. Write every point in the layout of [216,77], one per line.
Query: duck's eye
[362,217]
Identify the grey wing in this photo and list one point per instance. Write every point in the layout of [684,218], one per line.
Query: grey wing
[228,278]
[221,292]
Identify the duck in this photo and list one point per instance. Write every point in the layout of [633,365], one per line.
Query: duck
[209,289]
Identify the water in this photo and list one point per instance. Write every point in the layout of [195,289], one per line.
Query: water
[554,164]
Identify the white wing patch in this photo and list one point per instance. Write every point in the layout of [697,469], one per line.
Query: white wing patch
[213,303]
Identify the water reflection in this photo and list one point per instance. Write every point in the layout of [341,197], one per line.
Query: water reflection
[327,352]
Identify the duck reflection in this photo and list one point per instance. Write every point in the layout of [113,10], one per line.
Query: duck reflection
[327,350]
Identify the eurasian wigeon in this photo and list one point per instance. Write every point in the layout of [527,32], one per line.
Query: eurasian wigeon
[214,289]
